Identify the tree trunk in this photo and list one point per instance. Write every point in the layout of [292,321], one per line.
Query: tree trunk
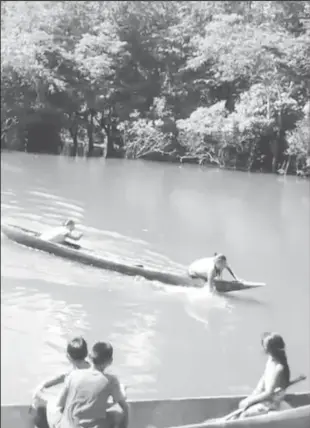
[90,134]
[74,147]
[110,146]
[74,135]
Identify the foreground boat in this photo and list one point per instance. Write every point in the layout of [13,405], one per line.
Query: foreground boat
[181,412]
[76,253]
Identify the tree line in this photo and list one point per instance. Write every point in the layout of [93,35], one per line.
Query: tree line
[216,82]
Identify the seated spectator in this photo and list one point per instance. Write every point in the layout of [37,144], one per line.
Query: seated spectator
[83,401]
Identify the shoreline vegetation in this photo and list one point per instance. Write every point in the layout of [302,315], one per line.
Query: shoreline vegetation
[223,83]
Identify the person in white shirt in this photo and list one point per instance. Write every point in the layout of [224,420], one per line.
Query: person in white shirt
[59,234]
[210,268]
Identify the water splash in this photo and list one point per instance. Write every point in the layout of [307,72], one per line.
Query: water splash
[202,305]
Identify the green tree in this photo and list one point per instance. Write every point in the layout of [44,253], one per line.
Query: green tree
[222,82]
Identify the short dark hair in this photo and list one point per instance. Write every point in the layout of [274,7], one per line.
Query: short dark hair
[101,353]
[77,349]
[220,257]
[69,222]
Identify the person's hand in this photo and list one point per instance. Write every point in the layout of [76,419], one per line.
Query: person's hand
[37,393]
[37,397]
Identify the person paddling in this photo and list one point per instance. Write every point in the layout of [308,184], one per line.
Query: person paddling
[210,268]
[59,234]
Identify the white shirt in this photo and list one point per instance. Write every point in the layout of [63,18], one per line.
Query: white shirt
[57,234]
[202,267]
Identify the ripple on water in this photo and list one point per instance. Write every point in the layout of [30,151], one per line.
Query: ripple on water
[7,193]
[134,338]
[148,322]
[29,216]
[52,322]
[112,234]
[72,207]
[10,168]
[8,206]
[44,195]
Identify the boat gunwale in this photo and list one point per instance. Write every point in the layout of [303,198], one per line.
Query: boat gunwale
[169,413]
[305,394]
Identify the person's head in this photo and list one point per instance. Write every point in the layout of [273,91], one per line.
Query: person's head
[274,345]
[220,261]
[70,224]
[101,354]
[77,349]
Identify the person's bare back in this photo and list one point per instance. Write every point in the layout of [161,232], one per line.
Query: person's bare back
[209,268]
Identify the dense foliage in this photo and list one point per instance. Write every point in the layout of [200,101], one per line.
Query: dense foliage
[221,82]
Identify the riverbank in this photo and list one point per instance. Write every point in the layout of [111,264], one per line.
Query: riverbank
[173,158]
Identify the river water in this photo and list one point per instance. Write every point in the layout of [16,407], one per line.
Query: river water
[168,341]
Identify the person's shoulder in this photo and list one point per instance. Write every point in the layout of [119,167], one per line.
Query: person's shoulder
[112,378]
[78,374]
[116,385]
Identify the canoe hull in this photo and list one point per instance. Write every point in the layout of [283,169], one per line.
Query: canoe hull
[178,412]
[31,239]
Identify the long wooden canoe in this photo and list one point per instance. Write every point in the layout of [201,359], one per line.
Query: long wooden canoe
[183,412]
[32,239]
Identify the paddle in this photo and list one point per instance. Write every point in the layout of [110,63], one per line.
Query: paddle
[234,414]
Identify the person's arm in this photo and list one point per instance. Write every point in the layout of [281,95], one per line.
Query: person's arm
[266,393]
[211,278]
[52,382]
[231,273]
[76,236]
[118,395]
[259,387]
[62,398]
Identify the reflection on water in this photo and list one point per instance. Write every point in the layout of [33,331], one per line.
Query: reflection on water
[169,341]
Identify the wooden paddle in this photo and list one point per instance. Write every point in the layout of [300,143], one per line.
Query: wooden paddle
[238,412]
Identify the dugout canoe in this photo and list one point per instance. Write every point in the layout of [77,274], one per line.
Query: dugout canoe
[78,254]
[182,412]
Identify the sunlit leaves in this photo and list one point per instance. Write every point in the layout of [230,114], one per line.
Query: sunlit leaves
[228,72]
